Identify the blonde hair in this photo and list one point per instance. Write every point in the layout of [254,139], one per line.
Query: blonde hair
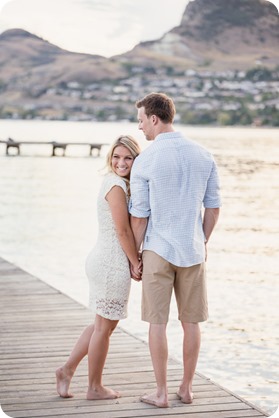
[128,142]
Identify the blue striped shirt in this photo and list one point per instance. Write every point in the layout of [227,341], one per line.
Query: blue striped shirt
[171,181]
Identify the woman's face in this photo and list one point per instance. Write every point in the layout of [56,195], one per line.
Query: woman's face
[122,161]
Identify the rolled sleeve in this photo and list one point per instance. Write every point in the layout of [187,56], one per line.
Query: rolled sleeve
[139,205]
[212,198]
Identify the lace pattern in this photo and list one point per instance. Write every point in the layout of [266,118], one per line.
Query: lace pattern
[112,308]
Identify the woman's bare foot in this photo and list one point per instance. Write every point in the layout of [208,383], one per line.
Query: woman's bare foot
[63,380]
[154,399]
[185,397]
[102,393]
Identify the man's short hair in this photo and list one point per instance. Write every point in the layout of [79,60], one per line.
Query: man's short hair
[158,104]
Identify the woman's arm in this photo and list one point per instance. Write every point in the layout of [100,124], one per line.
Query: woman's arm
[118,205]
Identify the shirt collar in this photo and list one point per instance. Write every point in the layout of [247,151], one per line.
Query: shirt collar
[168,135]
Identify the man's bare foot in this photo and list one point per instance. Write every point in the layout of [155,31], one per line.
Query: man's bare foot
[63,380]
[102,393]
[154,399]
[185,397]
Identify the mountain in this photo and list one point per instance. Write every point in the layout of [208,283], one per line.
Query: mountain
[213,34]
[212,61]
[218,34]
[28,60]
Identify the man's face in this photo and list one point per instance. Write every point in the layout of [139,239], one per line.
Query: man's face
[146,124]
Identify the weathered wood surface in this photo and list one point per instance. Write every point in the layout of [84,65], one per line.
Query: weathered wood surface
[11,143]
[39,326]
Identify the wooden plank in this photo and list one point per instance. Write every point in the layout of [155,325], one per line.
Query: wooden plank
[7,366]
[127,405]
[79,391]
[32,346]
[130,395]
[137,410]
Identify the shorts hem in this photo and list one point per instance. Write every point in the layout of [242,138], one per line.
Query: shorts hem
[158,322]
[194,320]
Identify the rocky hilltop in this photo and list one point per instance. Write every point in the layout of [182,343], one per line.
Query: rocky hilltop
[218,34]
[221,63]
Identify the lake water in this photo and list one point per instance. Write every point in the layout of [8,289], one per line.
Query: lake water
[48,225]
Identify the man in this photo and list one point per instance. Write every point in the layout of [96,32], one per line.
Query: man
[170,182]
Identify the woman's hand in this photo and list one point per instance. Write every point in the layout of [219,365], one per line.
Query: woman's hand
[136,271]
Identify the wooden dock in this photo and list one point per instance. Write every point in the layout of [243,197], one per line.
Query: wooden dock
[94,148]
[39,326]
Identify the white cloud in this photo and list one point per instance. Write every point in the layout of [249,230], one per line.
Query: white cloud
[2,3]
[97,27]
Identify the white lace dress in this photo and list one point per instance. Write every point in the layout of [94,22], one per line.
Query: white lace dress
[107,265]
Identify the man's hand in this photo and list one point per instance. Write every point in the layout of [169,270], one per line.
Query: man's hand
[136,271]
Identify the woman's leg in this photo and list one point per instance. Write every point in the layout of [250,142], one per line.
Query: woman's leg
[97,354]
[65,373]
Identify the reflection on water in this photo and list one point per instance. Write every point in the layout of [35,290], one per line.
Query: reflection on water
[48,225]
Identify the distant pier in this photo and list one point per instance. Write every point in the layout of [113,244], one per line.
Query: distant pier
[94,148]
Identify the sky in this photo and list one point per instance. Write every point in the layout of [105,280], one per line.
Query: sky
[103,27]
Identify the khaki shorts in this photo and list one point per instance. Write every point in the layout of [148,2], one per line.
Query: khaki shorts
[159,279]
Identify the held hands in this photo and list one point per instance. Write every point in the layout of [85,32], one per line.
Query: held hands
[136,269]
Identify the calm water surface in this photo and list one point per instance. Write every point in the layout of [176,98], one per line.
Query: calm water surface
[48,225]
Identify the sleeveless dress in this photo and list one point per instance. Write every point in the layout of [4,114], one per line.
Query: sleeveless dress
[107,266]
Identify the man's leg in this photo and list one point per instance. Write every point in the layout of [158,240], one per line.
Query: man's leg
[159,354]
[191,296]
[157,285]
[191,348]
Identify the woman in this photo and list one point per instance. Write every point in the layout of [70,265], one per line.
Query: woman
[109,268]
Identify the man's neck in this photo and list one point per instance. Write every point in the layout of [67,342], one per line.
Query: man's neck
[164,129]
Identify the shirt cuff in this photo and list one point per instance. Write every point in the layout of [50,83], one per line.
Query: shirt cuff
[139,214]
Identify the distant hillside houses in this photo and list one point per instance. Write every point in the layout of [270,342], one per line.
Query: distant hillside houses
[224,97]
